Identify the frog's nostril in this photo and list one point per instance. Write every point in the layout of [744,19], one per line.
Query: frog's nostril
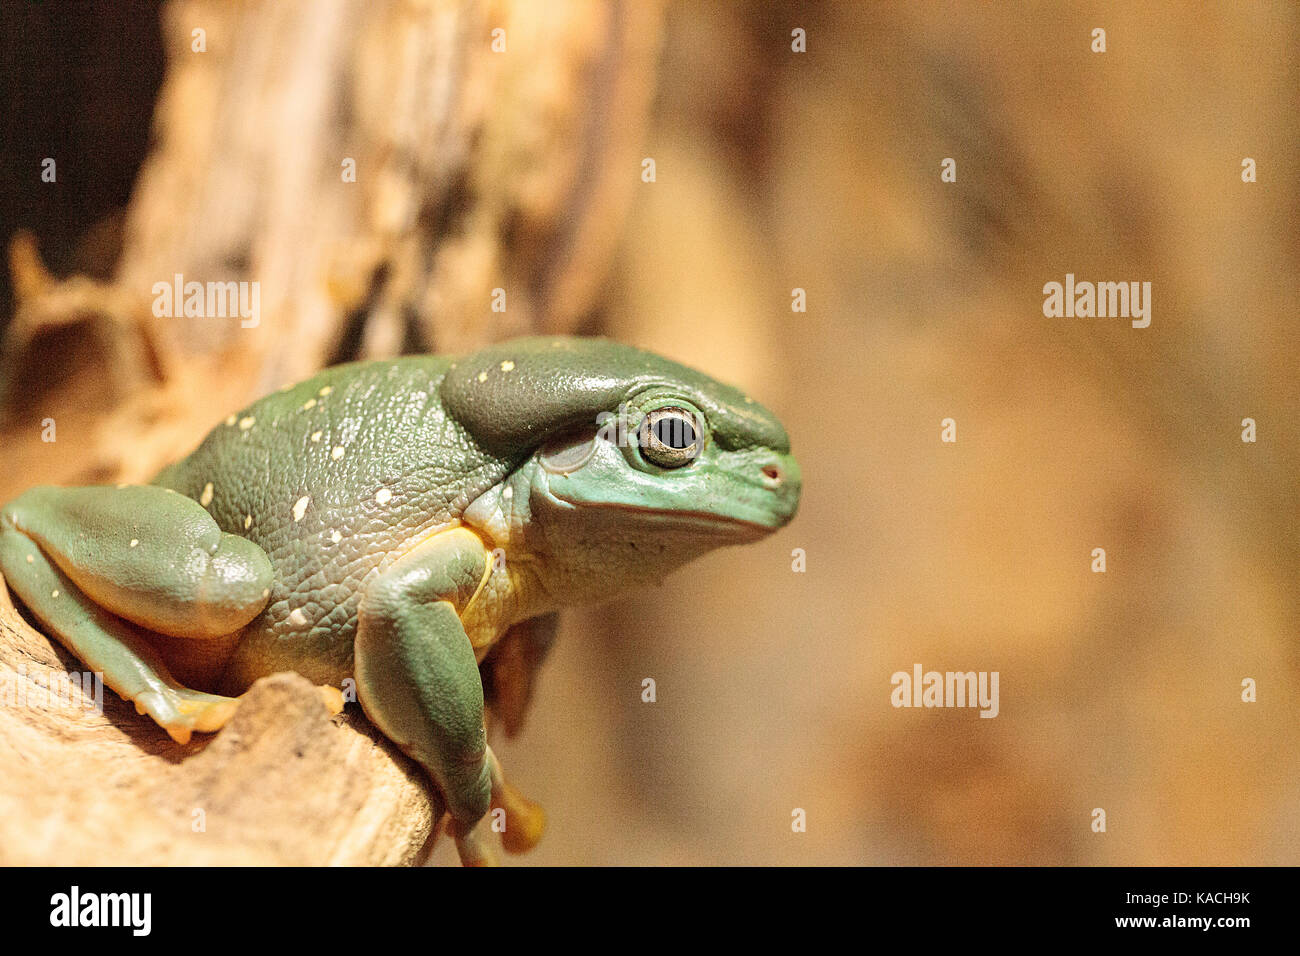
[772,474]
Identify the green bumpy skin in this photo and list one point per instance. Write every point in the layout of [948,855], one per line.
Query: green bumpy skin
[391,522]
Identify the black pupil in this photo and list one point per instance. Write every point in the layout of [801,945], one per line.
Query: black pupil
[675,432]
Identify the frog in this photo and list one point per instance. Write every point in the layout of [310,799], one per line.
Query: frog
[407,529]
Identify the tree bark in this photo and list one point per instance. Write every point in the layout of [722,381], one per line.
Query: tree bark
[476,169]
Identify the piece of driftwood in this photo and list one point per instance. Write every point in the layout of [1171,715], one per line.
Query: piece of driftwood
[282,783]
[483,162]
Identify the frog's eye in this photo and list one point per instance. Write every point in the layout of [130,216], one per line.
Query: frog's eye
[670,437]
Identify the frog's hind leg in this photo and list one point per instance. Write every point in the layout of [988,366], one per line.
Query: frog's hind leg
[77,559]
[105,643]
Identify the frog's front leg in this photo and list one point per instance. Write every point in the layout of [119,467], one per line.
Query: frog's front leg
[103,567]
[418,678]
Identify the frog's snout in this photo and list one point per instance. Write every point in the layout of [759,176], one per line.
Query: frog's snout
[781,476]
[773,474]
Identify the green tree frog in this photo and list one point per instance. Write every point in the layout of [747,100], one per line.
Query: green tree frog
[385,524]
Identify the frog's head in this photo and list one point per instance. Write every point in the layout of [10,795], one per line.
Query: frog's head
[628,465]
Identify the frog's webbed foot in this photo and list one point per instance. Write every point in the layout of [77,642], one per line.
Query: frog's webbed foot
[525,821]
[332,698]
[181,711]
[520,823]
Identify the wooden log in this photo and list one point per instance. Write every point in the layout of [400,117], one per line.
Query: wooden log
[477,168]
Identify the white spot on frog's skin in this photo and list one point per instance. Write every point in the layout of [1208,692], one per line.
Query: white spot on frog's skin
[482,376]
[337,453]
[266,592]
[297,618]
[300,507]
[205,499]
[246,423]
[30,559]
[134,542]
[383,496]
[507,366]
[309,405]
[230,420]
[508,493]
[54,593]
[325,391]
[248,522]
[335,536]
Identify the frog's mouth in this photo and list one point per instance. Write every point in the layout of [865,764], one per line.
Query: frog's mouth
[739,497]
[699,522]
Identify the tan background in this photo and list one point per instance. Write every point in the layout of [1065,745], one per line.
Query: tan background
[1118,691]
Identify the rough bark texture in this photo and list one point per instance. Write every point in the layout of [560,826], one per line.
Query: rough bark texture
[283,783]
[476,170]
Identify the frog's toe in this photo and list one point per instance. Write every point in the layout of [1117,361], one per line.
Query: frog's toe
[333,698]
[525,820]
[181,711]
[211,715]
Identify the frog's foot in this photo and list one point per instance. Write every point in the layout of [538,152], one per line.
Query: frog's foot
[525,821]
[332,697]
[181,711]
[473,845]
[521,829]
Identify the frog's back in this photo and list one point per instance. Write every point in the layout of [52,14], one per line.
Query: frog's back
[333,478]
